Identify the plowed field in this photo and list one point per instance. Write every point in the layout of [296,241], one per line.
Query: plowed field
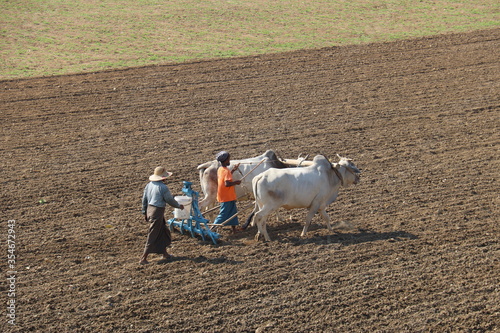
[419,117]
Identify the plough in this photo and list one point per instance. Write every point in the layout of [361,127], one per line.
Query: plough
[190,220]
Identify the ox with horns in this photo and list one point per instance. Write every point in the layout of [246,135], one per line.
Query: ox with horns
[314,187]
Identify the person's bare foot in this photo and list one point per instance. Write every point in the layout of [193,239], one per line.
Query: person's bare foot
[144,262]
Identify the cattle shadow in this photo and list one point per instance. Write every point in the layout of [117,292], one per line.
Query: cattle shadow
[317,234]
[350,238]
[339,236]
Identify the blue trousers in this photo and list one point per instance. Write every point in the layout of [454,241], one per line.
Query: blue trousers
[227,209]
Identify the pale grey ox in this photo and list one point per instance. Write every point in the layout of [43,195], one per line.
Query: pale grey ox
[313,187]
[208,176]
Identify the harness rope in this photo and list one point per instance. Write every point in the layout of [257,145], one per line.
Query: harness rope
[247,192]
[337,172]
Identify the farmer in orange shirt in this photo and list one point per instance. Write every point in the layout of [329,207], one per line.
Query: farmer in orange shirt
[226,193]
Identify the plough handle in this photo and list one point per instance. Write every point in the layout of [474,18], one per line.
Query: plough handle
[255,167]
[232,217]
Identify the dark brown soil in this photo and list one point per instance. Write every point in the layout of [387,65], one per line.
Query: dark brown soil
[419,117]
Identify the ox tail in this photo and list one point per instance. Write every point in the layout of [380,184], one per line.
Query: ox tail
[201,168]
[249,218]
[202,185]
[255,195]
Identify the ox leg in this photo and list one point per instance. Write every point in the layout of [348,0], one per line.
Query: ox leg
[260,220]
[327,219]
[205,203]
[309,218]
[256,221]
[278,217]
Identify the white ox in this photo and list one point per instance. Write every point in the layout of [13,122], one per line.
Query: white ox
[208,176]
[313,187]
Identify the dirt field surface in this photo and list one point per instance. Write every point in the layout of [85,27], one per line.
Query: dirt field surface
[419,117]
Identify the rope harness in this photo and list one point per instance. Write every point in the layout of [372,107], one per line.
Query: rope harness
[248,193]
[337,172]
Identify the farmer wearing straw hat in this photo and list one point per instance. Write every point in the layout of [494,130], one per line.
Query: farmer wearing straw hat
[226,193]
[154,200]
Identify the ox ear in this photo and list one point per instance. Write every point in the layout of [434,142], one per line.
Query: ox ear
[355,168]
[344,158]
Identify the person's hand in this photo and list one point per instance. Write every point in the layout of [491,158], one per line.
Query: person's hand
[238,182]
[181,207]
[236,167]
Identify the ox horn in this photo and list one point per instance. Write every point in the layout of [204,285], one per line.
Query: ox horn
[300,156]
[346,158]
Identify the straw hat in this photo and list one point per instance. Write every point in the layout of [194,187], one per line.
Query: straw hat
[159,174]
